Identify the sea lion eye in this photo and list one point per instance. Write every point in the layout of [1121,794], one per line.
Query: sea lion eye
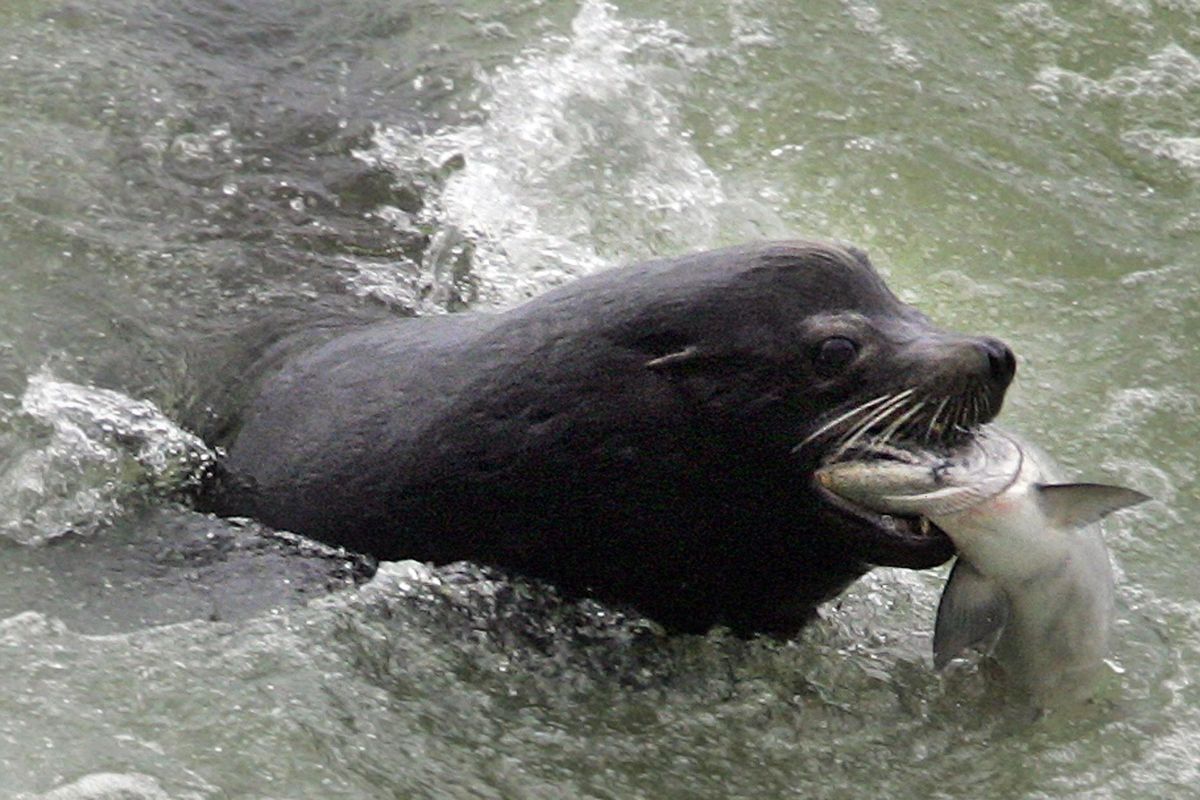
[833,355]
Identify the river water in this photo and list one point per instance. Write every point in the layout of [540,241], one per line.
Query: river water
[171,171]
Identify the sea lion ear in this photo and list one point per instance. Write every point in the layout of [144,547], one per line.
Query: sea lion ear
[685,357]
[860,256]
[1071,505]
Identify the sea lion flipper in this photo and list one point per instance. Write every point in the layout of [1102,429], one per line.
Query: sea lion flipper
[973,609]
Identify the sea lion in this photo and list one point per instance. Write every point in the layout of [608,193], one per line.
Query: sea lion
[647,435]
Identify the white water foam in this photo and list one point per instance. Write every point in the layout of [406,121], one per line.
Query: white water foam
[1183,151]
[582,160]
[868,19]
[1166,88]
[1171,72]
[98,448]
[106,786]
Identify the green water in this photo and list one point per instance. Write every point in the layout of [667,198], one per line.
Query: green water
[175,170]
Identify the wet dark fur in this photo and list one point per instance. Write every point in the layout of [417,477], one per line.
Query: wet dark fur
[635,435]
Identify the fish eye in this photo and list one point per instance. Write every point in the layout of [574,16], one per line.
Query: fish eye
[833,355]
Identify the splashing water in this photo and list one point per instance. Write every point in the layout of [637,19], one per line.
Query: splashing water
[98,450]
[582,160]
[1042,188]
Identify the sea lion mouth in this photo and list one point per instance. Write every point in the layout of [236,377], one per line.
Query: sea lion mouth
[892,427]
[892,540]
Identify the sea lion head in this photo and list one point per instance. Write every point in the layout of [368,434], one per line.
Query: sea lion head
[803,348]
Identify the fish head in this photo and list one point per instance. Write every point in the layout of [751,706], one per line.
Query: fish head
[992,495]
[925,482]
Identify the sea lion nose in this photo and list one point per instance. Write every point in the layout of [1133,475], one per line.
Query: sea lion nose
[1002,364]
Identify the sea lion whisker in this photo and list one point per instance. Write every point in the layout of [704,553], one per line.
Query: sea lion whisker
[984,406]
[986,399]
[882,426]
[887,435]
[875,419]
[933,422]
[841,418]
[876,416]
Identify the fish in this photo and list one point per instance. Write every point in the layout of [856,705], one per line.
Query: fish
[1032,583]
